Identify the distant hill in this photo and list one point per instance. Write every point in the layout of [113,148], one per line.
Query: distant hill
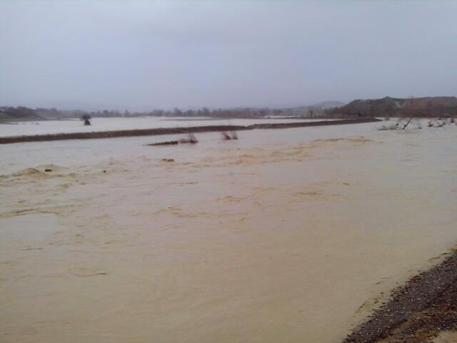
[18,114]
[403,107]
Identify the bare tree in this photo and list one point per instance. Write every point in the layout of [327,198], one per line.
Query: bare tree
[86,119]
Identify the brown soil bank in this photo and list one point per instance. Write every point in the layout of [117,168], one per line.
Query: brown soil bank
[418,311]
[175,130]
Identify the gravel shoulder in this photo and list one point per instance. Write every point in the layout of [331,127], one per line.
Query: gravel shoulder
[419,311]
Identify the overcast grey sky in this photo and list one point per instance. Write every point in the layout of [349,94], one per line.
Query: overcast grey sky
[141,55]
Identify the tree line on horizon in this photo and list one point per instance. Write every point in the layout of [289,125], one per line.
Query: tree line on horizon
[26,113]
[384,107]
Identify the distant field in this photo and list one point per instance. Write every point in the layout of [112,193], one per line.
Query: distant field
[113,124]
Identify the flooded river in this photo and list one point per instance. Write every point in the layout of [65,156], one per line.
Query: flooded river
[287,235]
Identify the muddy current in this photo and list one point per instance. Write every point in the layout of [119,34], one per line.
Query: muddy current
[282,236]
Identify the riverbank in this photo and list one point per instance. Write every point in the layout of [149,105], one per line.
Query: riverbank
[175,130]
[418,311]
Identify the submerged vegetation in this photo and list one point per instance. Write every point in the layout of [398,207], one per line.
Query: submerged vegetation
[415,123]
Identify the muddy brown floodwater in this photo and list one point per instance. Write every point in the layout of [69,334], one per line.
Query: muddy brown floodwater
[281,236]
